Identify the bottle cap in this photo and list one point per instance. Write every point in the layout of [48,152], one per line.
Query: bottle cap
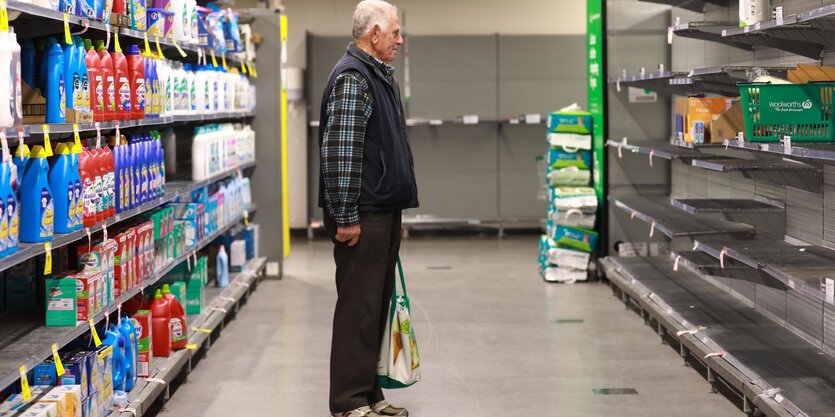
[158,295]
[38,152]
[22,151]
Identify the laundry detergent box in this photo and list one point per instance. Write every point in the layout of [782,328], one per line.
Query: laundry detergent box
[72,395]
[45,374]
[75,368]
[104,367]
[570,122]
[576,238]
[46,409]
[122,279]
[142,322]
[87,294]
[61,300]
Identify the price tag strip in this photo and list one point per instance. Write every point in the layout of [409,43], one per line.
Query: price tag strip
[201,330]
[59,366]
[675,264]
[221,309]
[47,264]
[156,381]
[715,354]
[24,384]
[94,332]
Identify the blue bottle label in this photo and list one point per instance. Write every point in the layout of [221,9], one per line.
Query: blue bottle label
[87,10]
[13,219]
[4,228]
[47,213]
[79,204]
[85,92]
[62,102]
[71,208]
[77,92]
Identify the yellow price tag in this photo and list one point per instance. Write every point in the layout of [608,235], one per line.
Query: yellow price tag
[191,347]
[214,60]
[159,49]
[47,263]
[246,218]
[253,70]
[243,67]
[47,145]
[180,50]
[67,35]
[201,330]
[223,60]
[24,384]
[93,332]
[116,46]
[4,17]
[147,44]
[76,135]
[59,366]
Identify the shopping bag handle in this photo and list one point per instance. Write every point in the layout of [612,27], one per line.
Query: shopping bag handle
[402,278]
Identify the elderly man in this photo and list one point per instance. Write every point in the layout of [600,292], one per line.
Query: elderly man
[367,179]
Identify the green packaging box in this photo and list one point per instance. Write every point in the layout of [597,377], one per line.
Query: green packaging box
[61,301]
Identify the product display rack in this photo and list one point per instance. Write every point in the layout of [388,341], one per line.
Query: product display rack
[656,148]
[225,303]
[712,31]
[660,214]
[28,10]
[692,5]
[33,340]
[720,79]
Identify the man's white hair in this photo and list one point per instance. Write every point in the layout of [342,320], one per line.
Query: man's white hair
[369,13]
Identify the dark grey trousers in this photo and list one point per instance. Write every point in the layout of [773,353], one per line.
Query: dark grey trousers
[364,280]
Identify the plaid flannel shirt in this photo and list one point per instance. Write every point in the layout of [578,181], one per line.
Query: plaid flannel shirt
[349,107]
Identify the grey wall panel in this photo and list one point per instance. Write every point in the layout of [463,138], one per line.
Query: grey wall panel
[563,61]
[520,96]
[445,58]
[829,203]
[456,168]
[718,185]
[805,314]
[747,290]
[773,301]
[450,98]
[829,325]
[743,187]
[804,215]
[519,181]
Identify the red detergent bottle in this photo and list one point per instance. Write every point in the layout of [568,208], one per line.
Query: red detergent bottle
[108,81]
[122,91]
[179,330]
[88,170]
[136,75]
[160,325]
[94,72]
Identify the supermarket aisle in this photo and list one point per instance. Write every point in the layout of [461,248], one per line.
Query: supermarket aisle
[488,337]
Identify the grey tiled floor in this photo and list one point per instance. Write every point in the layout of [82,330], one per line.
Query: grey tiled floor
[488,342]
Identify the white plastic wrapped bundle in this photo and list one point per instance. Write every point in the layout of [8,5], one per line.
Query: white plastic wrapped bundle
[564,275]
[567,258]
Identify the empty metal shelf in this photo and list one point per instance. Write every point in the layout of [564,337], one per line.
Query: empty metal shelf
[823,151]
[692,5]
[712,31]
[779,171]
[674,222]
[725,205]
[759,354]
[786,34]
[657,148]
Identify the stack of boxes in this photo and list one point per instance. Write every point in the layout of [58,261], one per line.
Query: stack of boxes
[707,119]
[190,284]
[569,239]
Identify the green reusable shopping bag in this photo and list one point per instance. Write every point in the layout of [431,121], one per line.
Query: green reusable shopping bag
[399,363]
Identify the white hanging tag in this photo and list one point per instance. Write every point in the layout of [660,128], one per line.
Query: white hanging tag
[241,283]
[695,245]
[104,230]
[188,262]
[651,153]
[722,257]
[740,137]
[787,144]
[652,229]
[684,332]
[107,42]
[221,309]
[670,35]
[98,135]
[715,354]
[119,314]
[632,216]
[617,85]
[89,239]
[20,136]
[118,132]
[675,264]
[229,299]
[156,380]
[5,145]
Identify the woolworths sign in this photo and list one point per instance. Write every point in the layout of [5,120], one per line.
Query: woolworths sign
[790,106]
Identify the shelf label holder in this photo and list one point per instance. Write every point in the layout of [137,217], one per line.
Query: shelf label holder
[24,384]
[59,366]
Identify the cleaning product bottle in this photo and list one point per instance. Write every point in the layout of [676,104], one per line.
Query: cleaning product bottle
[179,330]
[109,86]
[71,76]
[4,219]
[88,170]
[83,98]
[55,94]
[122,87]
[94,71]
[145,157]
[10,215]
[6,117]
[161,325]
[67,6]
[119,183]
[16,104]
[101,171]
[89,9]
[109,180]
[63,189]
[28,68]
[136,75]
[138,159]
[21,155]
[78,187]
[111,338]
[222,267]
[138,15]
[37,214]
[128,331]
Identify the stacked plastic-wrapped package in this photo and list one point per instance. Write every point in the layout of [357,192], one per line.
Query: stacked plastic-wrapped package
[569,239]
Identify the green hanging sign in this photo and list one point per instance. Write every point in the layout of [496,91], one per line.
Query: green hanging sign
[595,36]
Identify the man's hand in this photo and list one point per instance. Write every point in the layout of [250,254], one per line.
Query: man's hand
[350,234]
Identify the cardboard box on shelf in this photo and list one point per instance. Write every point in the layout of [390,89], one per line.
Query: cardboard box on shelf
[694,114]
[142,321]
[726,125]
[61,301]
[804,73]
[34,108]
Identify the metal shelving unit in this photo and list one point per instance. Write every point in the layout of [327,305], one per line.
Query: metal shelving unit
[720,79]
[32,340]
[779,171]
[658,212]
[692,5]
[657,148]
[739,347]
[712,31]
[809,150]
[725,205]
[224,305]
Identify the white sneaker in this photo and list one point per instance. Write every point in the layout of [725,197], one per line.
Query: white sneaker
[359,412]
[383,408]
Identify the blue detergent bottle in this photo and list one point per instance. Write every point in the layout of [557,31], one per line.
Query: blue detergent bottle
[83,97]
[27,62]
[117,171]
[161,159]
[146,167]
[10,216]
[78,215]
[72,79]
[128,331]
[137,171]
[21,155]
[114,339]
[62,184]
[36,205]
[54,86]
